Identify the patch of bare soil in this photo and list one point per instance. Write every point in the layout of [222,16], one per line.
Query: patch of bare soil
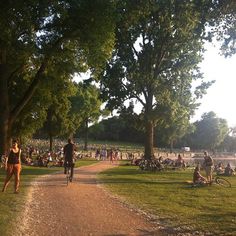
[81,208]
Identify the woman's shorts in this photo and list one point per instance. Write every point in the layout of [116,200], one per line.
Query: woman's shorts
[13,169]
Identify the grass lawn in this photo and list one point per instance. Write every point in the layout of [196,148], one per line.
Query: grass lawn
[85,162]
[123,146]
[168,195]
[12,204]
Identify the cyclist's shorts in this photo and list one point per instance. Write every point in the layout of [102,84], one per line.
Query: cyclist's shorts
[69,164]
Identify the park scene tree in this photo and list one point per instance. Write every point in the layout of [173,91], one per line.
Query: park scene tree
[45,34]
[157,50]
[159,46]
[121,81]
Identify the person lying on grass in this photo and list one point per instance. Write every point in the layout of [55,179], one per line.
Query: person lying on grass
[198,179]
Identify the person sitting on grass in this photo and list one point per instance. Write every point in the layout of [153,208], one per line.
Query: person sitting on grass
[229,170]
[198,179]
[220,169]
[180,162]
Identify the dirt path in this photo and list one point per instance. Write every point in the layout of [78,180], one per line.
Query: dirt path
[82,208]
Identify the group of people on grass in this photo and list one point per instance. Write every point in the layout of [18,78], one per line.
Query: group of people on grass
[163,162]
[220,169]
[13,165]
[42,158]
[108,154]
[208,165]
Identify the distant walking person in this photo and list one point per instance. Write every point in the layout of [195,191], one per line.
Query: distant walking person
[68,151]
[208,165]
[13,166]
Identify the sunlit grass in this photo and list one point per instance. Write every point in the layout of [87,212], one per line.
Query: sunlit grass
[85,162]
[170,196]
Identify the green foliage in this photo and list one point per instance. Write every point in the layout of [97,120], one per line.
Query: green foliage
[46,39]
[86,104]
[86,107]
[124,127]
[159,46]
[210,132]
[229,144]
[59,122]
[223,25]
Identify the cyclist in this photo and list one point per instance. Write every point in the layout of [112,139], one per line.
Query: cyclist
[68,151]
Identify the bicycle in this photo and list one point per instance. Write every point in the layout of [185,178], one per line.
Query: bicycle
[216,180]
[222,182]
[3,162]
[69,170]
[150,165]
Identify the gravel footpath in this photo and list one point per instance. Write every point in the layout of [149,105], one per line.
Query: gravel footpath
[82,208]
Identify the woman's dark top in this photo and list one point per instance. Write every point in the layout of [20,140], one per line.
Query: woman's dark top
[14,158]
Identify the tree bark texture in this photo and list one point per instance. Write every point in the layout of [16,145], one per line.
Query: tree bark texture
[149,127]
[4,110]
[149,139]
[86,136]
[51,142]
[7,116]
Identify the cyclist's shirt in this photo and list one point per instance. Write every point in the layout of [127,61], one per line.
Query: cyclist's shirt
[69,152]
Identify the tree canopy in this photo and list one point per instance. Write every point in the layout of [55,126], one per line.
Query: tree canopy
[159,46]
[86,106]
[36,36]
[210,132]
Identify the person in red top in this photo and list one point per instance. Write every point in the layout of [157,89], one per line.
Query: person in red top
[13,166]
[68,151]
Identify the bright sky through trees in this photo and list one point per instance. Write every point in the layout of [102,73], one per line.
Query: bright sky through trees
[221,96]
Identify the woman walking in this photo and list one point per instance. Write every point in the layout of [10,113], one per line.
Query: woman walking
[13,166]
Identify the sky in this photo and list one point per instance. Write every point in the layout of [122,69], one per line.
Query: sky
[221,96]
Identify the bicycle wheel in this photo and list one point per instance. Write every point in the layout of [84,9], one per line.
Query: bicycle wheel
[67,175]
[70,175]
[223,182]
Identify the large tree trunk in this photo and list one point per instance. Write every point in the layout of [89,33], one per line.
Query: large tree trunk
[149,128]
[51,142]
[171,145]
[4,110]
[86,135]
[148,139]
[49,127]
[7,116]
